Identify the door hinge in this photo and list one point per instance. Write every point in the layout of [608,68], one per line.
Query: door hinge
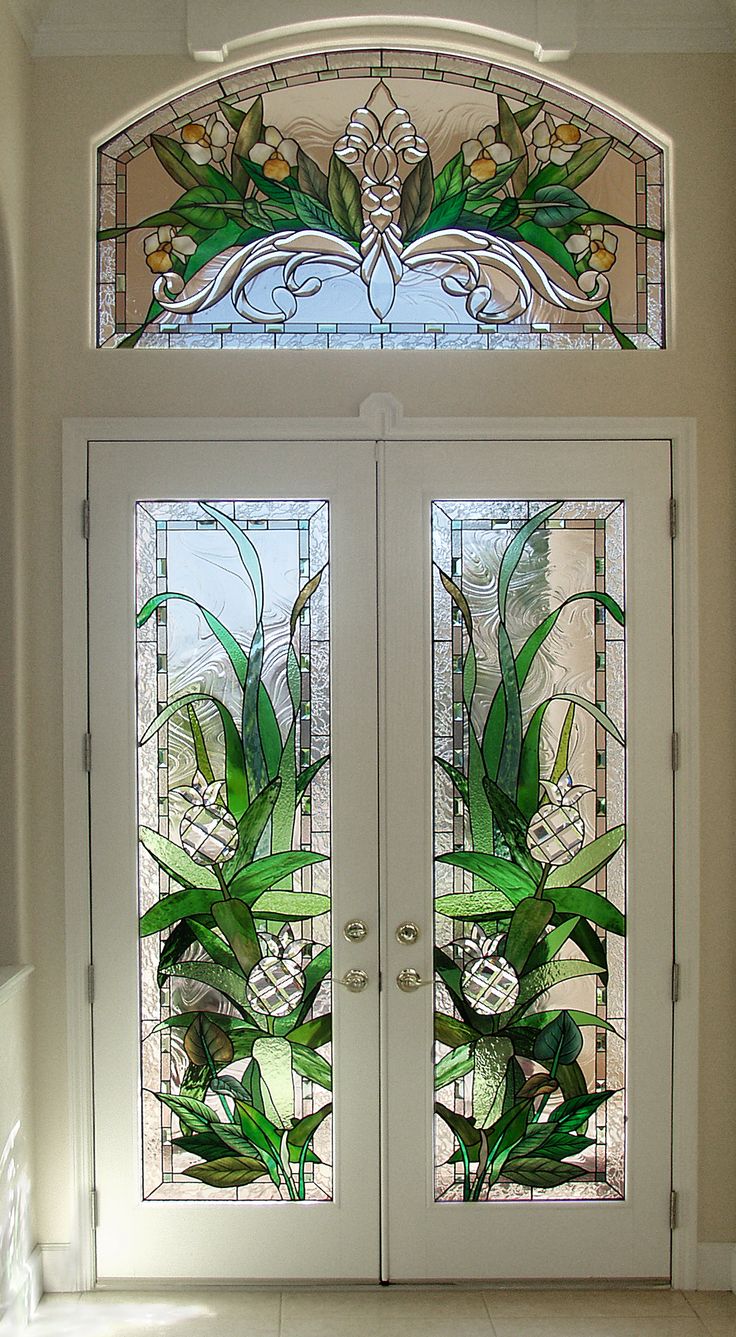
[94,1208]
[87,752]
[90,983]
[675,981]
[675,751]
[85,519]
[673,517]
[673,1209]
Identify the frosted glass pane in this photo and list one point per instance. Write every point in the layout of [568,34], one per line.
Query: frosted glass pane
[530,873]
[235,830]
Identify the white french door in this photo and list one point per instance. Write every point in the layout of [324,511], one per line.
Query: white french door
[277,1095]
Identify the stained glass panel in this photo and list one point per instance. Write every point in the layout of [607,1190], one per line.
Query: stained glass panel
[233,693]
[381,199]
[530,873]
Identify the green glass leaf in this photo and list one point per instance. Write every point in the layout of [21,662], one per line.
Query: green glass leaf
[273,1055]
[609,220]
[575,1113]
[485,195]
[526,115]
[235,922]
[450,180]
[512,825]
[204,1037]
[207,1146]
[177,943]
[417,198]
[304,1130]
[290,905]
[500,873]
[464,1131]
[235,778]
[194,1113]
[474,905]
[513,553]
[540,1171]
[313,1033]
[175,861]
[511,135]
[262,874]
[310,1065]
[445,214]
[455,777]
[253,823]
[589,860]
[528,922]
[453,1066]
[226,981]
[258,1128]
[228,1171]
[508,765]
[588,905]
[579,166]
[558,205]
[449,1031]
[303,597]
[313,214]
[233,650]
[560,1041]
[536,1020]
[312,180]
[492,1055]
[552,943]
[233,115]
[180,904]
[200,207]
[305,777]
[216,949]
[343,193]
[249,132]
[537,982]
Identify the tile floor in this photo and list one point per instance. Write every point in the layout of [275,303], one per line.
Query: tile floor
[389,1312]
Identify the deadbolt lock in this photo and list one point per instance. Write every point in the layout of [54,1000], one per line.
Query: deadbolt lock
[407,933]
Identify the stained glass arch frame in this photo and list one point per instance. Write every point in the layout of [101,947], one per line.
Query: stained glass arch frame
[422,200]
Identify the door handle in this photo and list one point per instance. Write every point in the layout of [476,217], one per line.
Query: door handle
[355,980]
[408,980]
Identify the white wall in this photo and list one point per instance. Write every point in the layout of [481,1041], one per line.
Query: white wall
[75,104]
[16,1288]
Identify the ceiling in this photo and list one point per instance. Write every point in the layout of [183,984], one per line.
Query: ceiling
[217,29]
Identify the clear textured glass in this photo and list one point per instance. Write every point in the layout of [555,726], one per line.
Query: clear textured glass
[530,873]
[235,829]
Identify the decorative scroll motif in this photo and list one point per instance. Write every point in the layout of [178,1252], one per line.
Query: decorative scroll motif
[234,807]
[529,829]
[500,230]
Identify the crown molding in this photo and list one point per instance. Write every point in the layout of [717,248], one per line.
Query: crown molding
[215,31]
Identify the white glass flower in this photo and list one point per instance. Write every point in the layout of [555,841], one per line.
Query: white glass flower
[206,143]
[555,143]
[162,246]
[596,244]
[275,154]
[483,156]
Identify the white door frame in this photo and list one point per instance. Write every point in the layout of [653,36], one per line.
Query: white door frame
[380,418]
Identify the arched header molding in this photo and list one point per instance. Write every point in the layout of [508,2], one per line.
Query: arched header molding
[364,199]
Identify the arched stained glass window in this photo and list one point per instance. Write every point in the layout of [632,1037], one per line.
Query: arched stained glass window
[381,199]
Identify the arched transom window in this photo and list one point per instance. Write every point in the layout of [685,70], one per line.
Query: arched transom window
[381,199]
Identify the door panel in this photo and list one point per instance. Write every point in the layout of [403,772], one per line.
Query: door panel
[214,1129]
[255,658]
[533,1027]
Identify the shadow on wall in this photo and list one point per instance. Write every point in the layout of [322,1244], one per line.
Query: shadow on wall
[10,415]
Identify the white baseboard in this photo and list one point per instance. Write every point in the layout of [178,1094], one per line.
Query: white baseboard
[716,1267]
[58,1268]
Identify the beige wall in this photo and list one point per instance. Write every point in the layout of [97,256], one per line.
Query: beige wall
[15,145]
[75,103]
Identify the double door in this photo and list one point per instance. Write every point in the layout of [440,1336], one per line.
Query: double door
[381,859]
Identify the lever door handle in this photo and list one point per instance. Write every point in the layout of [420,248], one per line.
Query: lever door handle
[408,980]
[355,980]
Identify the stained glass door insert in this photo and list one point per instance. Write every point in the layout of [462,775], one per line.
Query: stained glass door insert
[529,808]
[234,807]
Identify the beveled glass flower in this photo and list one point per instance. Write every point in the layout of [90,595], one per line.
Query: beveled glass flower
[205,143]
[161,246]
[555,142]
[275,154]
[483,156]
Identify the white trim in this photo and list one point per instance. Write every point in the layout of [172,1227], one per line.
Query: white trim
[381,418]
[716,1267]
[76,858]
[58,1268]
[11,979]
[685,1273]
